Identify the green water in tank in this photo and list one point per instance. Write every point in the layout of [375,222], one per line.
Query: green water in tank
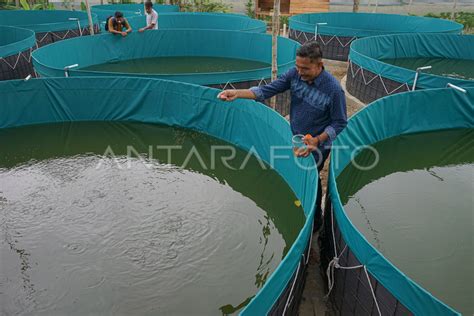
[136,219]
[416,206]
[455,68]
[178,65]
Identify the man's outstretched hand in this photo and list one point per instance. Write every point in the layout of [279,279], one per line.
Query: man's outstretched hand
[228,95]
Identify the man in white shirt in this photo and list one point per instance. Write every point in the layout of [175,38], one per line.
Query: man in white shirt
[151,18]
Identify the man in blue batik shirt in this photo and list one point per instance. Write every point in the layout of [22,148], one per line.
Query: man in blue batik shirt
[318,104]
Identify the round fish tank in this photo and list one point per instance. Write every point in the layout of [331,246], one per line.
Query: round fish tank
[103,11]
[384,65]
[336,31]
[50,26]
[403,161]
[110,151]
[203,21]
[204,57]
[16,45]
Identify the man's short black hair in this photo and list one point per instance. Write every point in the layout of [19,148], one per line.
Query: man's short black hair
[310,50]
[148,4]
[118,14]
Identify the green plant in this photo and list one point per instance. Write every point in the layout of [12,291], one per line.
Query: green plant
[268,19]
[211,6]
[204,6]
[464,18]
[5,5]
[8,7]
[42,5]
[249,9]
[68,4]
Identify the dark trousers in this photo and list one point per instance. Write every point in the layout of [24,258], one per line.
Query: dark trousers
[320,160]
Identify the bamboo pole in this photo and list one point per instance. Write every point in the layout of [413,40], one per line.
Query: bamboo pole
[275,32]
[355,6]
[453,13]
[89,17]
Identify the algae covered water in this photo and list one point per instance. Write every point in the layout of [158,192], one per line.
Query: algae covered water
[178,65]
[455,68]
[416,207]
[136,219]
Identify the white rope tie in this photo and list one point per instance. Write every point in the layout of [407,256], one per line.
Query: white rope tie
[290,296]
[15,63]
[18,56]
[64,36]
[228,83]
[309,246]
[42,39]
[28,59]
[262,81]
[289,300]
[372,291]
[334,264]
[337,39]
[299,34]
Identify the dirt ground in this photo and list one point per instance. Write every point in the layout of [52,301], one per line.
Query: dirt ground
[313,301]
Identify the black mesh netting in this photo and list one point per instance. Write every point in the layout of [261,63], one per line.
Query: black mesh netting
[351,294]
[368,86]
[16,66]
[334,47]
[46,38]
[289,301]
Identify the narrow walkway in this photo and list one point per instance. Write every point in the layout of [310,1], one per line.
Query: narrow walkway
[313,302]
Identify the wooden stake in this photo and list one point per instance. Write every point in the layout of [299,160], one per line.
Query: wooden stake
[89,17]
[453,13]
[355,7]
[275,33]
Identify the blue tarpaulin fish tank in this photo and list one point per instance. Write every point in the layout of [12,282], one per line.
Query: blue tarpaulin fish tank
[50,26]
[335,31]
[361,268]
[249,125]
[384,65]
[248,53]
[16,45]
